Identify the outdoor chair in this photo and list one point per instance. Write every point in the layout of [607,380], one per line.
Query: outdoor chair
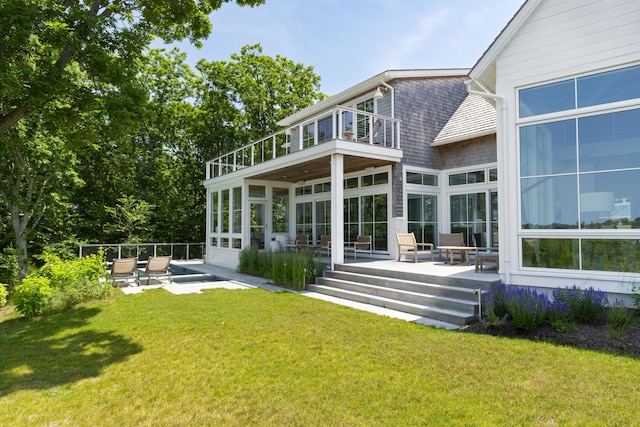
[124,269]
[302,242]
[374,131]
[408,246]
[362,244]
[157,267]
[324,244]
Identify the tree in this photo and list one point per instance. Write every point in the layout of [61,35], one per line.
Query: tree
[64,60]
[37,175]
[253,92]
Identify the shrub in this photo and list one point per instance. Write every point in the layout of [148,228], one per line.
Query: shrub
[635,294]
[494,300]
[9,270]
[31,296]
[619,321]
[74,281]
[3,294]
[526,307]
[289,269]
[561,317]
[588,306]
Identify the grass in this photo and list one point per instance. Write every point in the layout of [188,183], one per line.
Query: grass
[254,357]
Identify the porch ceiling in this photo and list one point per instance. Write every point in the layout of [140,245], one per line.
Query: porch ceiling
[318,168]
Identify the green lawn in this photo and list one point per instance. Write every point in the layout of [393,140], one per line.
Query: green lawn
[254,357]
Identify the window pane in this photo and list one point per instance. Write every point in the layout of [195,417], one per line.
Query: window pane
[476,176]
[610,141]
[547,99]
[550,253]
[414,205]
[351,183]
[414,178]
[611,255]
[548,148]
[431,180]
[458,179]
[550,202]
[257,191]
[611,86]
[607,199]
[381,178]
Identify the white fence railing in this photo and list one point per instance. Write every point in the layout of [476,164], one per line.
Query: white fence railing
[342,123]
[142,251]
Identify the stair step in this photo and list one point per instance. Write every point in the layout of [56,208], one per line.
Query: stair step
[441,314]
[445,298]
[467,305]
[462,293]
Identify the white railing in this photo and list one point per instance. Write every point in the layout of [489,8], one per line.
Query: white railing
[142,251]
[344,123]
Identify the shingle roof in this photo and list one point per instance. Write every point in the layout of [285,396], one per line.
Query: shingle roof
[474,117]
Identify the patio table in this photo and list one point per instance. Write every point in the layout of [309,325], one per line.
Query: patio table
[451,250]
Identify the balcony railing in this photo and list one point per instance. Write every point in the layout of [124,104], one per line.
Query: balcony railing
[342,123]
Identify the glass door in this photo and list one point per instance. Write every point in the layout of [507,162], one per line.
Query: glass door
[469,216]
[258,224]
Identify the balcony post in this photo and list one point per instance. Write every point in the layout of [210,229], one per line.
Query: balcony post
[337,206]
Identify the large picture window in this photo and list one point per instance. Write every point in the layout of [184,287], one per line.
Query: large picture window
[579,170]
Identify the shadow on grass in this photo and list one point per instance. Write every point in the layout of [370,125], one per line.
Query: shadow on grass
[56,350]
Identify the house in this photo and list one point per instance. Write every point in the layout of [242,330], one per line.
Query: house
[403,150]
[565,78]
[545,122]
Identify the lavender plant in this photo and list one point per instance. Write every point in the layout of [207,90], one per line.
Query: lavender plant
[587,305]
[526,307]
[561,316]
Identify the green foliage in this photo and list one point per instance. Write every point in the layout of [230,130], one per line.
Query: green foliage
[561,317]
[32,295]
[131,219]
[288,269]
[492,320]
[620,319]
[587,305]
[527,309]
[9,270]
[74,281]
[635,294]
[3,294]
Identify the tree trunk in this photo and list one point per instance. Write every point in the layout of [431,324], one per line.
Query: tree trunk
[19,220]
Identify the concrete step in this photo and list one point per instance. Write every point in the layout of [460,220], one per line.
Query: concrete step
[424,277]
[439,313]
[420,287]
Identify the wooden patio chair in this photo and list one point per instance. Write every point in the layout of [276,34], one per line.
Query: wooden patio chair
[124,269]
[157,266]
[408,246]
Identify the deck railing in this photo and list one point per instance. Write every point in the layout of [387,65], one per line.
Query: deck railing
[142,251]
[341,123]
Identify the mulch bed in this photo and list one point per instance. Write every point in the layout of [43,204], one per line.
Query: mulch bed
[587,337]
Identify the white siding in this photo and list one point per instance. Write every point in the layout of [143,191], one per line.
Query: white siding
[564,38]
[560,39]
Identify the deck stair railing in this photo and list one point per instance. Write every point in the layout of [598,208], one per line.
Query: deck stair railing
[341,123]
[142,251]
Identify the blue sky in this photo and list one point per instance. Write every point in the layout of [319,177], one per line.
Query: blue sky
[348,41]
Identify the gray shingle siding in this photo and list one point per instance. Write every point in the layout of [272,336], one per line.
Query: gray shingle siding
[424,106]
[467,153]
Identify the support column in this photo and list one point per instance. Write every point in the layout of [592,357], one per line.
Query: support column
[337,209]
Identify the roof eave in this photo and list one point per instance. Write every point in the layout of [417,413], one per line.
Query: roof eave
[484,69]
[367,85]
[465,137]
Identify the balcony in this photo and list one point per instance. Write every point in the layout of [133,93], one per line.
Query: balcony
[341,123]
